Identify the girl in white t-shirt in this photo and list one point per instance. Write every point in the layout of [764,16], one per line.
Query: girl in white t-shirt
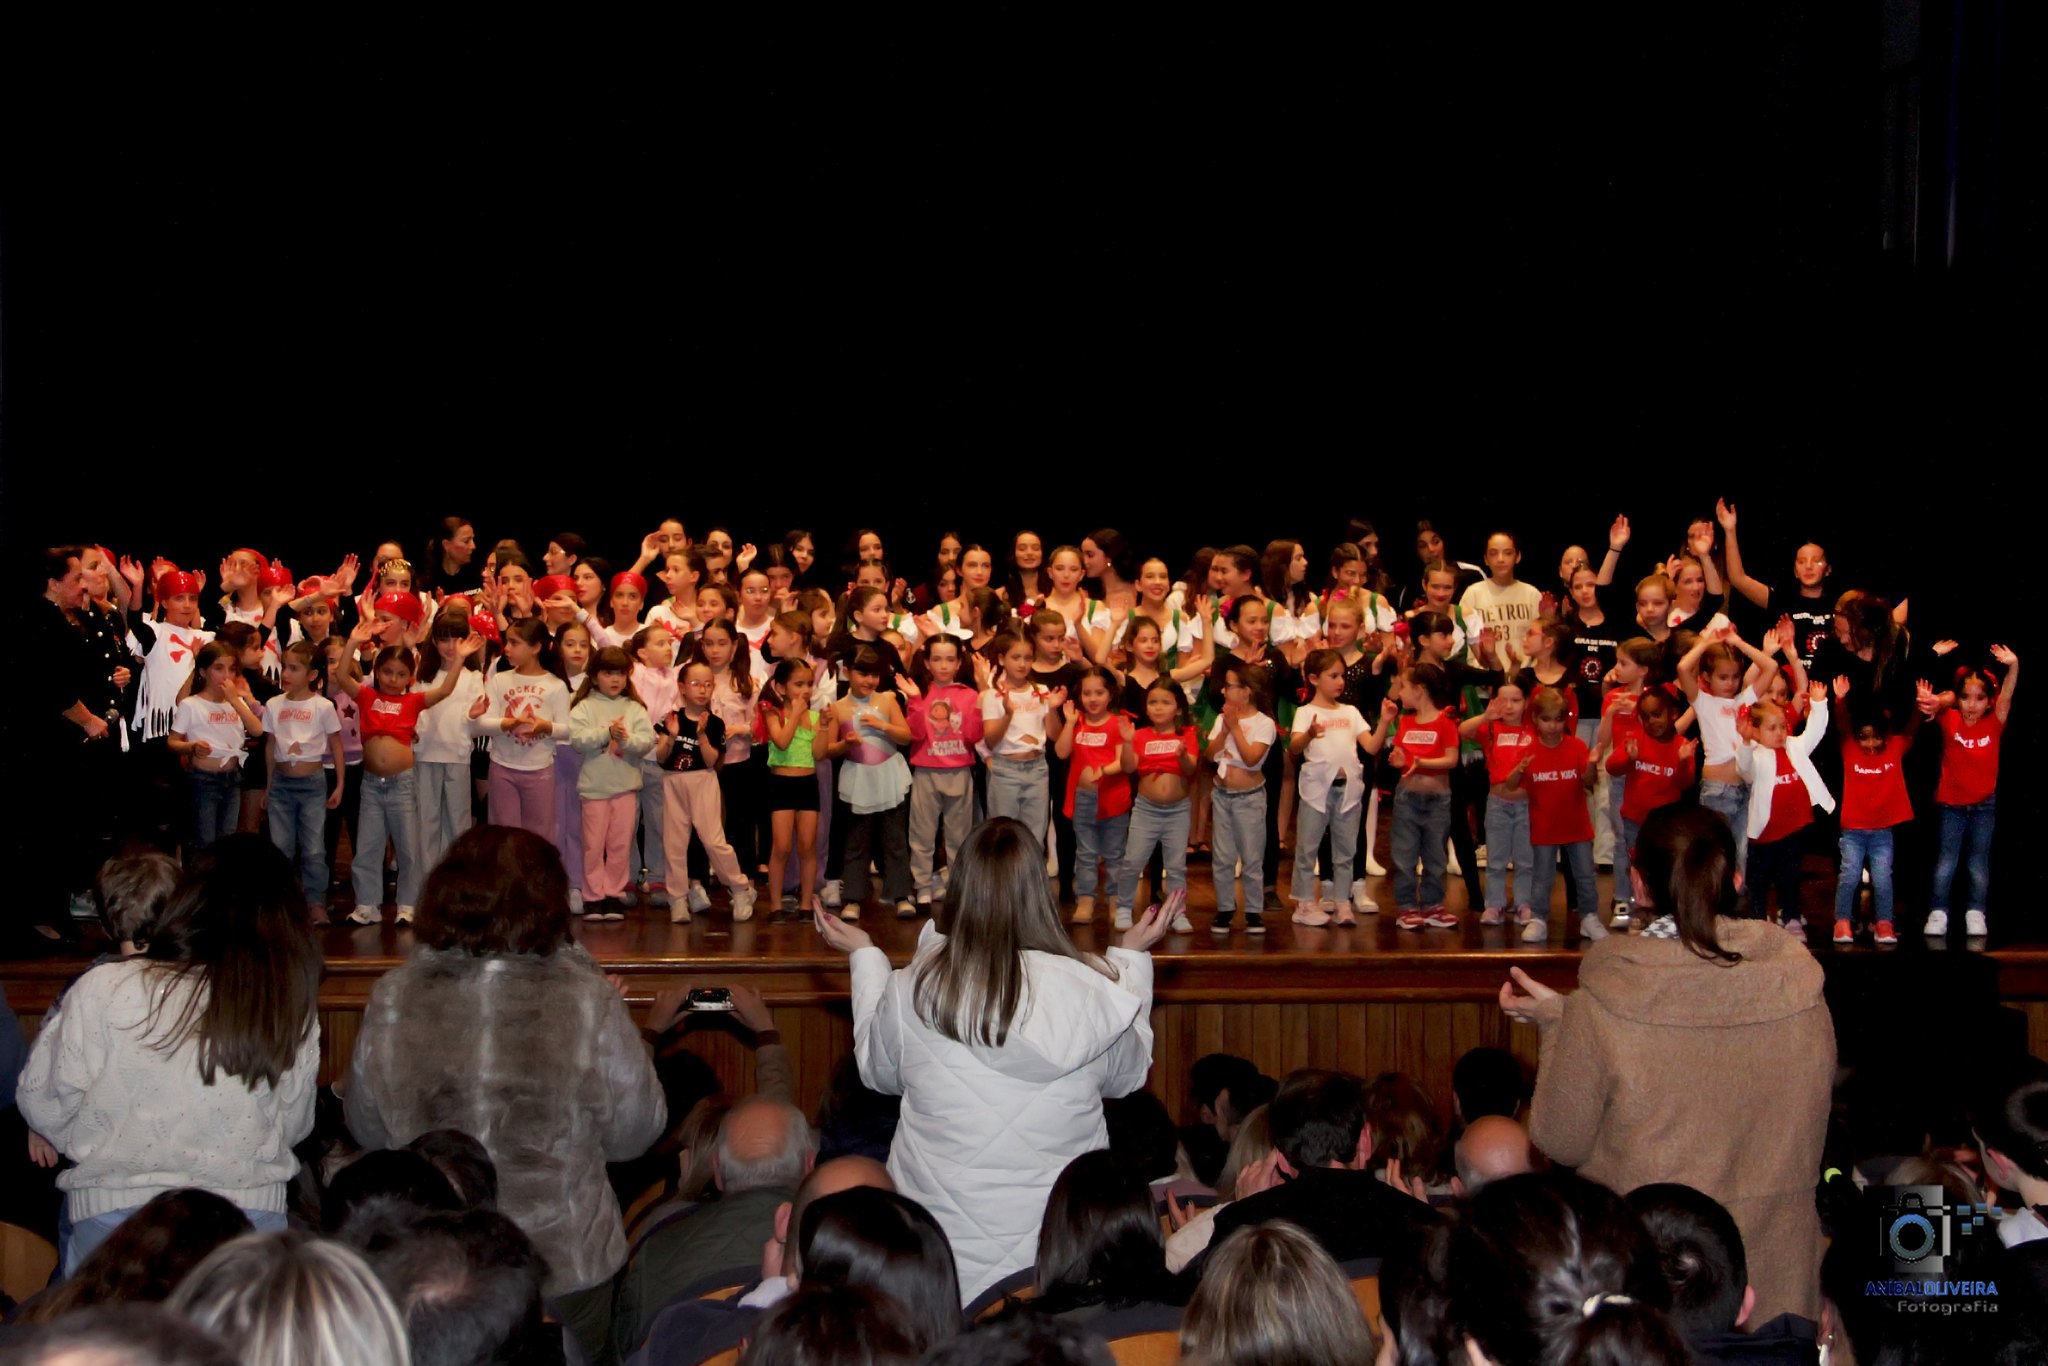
[1325,743]
[1713,678]
[445,743]
[1237,746]
[521,708]
[757,611]
[1020,721]
[208,730]
[1087,622]
[303,728]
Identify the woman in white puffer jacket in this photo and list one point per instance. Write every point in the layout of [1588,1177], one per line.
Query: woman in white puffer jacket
[1002,1039]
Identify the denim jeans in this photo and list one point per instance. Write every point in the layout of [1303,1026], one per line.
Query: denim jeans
[1097,839]
[1965,838]
[88,1233]
[1732,801]
[650,847]
[390,811]
[1238,832]
[1309,825]
[298,827]
[1507,842]
[1580,854]
[1862,849]
[216,805]
[1625,832]
[1422,821]
[1160,826]
[1018,788]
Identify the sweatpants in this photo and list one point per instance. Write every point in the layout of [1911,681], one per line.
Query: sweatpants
[569,818]
[690,804]
[446,808]
[941,803]
[1157,829]
[1238,829]
[879,836]
[524,797]
[605,830]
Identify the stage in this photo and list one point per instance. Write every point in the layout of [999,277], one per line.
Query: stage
[1371,999]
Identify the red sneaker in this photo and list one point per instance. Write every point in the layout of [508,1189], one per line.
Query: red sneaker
[1845,933]
[1410,920]
[1885,933]
[1440,918]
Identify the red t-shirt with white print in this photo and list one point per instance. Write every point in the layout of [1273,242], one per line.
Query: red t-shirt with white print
[1557,794]
[1969,758]
[1791,805]
[1874,786]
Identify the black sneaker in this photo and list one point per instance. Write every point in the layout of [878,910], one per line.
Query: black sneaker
[1220,925]
[1254,923]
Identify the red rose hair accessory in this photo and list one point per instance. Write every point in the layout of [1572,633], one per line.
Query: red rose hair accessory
[486,625]
[404,606]
[548,585]
[173,582]
[628,576]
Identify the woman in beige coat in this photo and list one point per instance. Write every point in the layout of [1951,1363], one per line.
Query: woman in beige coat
[1699,1052]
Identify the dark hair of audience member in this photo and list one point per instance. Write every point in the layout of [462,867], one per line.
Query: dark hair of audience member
[890,1244]
[239,924]
[466,1164]
[1489,1081]
[120,1335]
[142,1260]
[396,1174]
[1271,1294]
[467,1283]
[686,1082]
[1547,1267]
[833,1325]
[1415,1299]
[1100,1241]
[1215,1073]
[2010,1115]
[1022,1340]
[1405,1128]
[1142,1134]
[1317,1117]
[1686,857]
[498,890]
[854,1119]
[1700,1250]
[286,1299]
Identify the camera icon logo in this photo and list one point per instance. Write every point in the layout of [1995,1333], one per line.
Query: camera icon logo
[1920,1229]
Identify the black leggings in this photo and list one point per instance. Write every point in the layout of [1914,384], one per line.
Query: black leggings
[1468,808]
[743,792]
[1775,864]
[345,814]
[1062,824]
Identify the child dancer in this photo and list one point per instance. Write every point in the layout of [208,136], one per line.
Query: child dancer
[1633,660]
[1501,601]
[1711,673]
[303,727]
[789,727]
[445,740]
[1784,787]
[1019,718]
[1652,766]
[1092,740]
[654,683]
[743,777]
[690,745]
[1874,801]
[522,708]
[573,649]
[1424,753]
[943,730]
[1238,745]
[1346,617]
[1510,857]
[867,730]
[208,729]
[1325,742]
[390,712]
[610,731]
[1557,772]
[1972,721]
[1167,756]
[348,778]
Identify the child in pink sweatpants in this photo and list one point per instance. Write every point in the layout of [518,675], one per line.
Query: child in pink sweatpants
[689,745]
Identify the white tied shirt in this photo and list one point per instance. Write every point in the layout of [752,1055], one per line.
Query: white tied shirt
[1026,733]
[1332,754]
[1258,728]
[301,732]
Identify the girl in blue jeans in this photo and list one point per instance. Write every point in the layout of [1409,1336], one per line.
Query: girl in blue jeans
[1972,721]
[1237,746]
[304,729]
[208,730]
[1095,743]
[1167,759]
[1425,750]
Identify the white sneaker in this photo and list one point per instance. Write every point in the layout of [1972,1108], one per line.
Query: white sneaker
[575,902]
[405,913]
[1591,928]
[1866,877]
[1373,867]
[1535,930]
[679,913]
[1479,856]
[1181,923]
[1119,916]
[1621,916]
[698,901]
[833,894]
[366,915]
[1973,924]
[1362,899]
[1937,924]
[743,902]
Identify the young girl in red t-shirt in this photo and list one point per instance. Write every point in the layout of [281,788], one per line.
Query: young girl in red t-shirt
[1784,787]
[1972,721]
[1557,773]
[1874,800]
[1094,743]
[1651,765]
[1425,750]
[1167,756]
[1503,732]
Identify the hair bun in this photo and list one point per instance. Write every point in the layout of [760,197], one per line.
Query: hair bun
[1594,1303]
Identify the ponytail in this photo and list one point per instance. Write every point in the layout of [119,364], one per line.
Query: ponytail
[1687,859]
[1617,1330]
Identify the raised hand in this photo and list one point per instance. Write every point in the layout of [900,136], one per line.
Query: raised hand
[2004,656]
[1942,647]
[1057,698]
[1546,603]
[1389,709]
[984,673]
[1817,691]
[1841,687]
[908,688]
[471,644]
[1068,710]
[1152,925]
[1787,636]
[1071,647]
[745,557]
[480,706]
[650,545]
[1534,1004]
[1724,513]
[1205,606]
[1315,731]
[345,574]
[131,572]
[836,933]
[1618,534]
[1924,698]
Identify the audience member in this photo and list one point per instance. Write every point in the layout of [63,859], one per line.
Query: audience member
[193,1064]
[466,1283]
[1022,1340]
[1224,1088]
[1492,1147]
[1322,1143]
[1700,1252]
[1272,1294]
[383,1175]
[765,1148]
[1488,1081]
[1100,1246]
[1683,1044]
[1248,1168]
[130,893]
[2009,1118]
[1551,1268]
[143,1260]
[464,1162]
[833,1325]
[120,1335]
[1142,1133]
[1408,1138]
[1002,1038]
[284,1299]
[854,1119]
[558,1084]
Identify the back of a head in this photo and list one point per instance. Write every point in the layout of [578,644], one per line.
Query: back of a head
[466,1164]
[1700,1250]
[467,1283]
[1318,1117]
[1142,1133]
[132,891]
[1253,1141]
[1404,1125]
[1100,1239]
[143,1260]
[1488,1081]
[764,1144]
[833,1325]
[2009,1114]
[1686,856]
[1022,1339]
[288,1300]
[1271,1295]
[1493,1148]
[120,1335]
[829,1178]
[890,1244]
[395,1174]
[499,889]
[1554,1268]
[1215,1073]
